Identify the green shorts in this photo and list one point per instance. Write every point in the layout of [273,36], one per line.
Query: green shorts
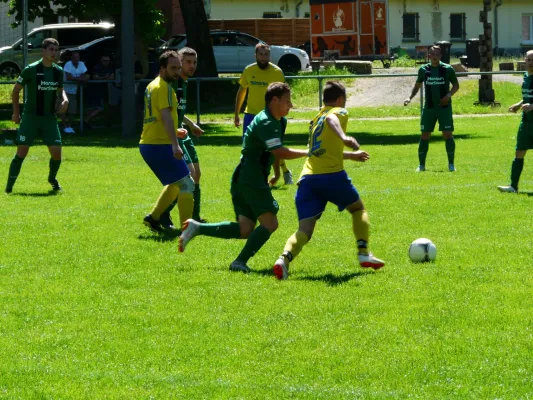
[430,116]
[189,151]
[252,201]
[524,139]
[32,126]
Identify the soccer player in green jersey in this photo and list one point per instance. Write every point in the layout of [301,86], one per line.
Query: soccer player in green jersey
[436,77]
[190,156]
[524,139]
[251,194]
[43,84]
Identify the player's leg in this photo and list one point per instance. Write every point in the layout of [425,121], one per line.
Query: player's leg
[428,121]
[294,246]
[524,142]
[25,136]
[447,128]
[52,138]
[54,164]
[248,118]
[196,175]
[287,174]
[15,166]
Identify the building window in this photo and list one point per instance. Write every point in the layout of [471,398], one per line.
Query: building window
[527,29]
[271,14]
[458,26]
[410,27]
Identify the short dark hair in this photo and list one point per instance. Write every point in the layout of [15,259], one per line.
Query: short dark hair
[49,41]
[163,58]
[261,46]
[332,91]
[276,89]
[187,51]
[434,48]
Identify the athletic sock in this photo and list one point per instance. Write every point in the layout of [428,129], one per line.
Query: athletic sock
[295,244]
[223,230]
[423,147]
[167,196]
[196,209]
[14,171]
[54,167]
[185,206]
[516,171]
[360,226]
[171,207]
[257,239]
[450,149]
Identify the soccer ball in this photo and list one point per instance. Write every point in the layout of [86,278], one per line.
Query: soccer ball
[422,250]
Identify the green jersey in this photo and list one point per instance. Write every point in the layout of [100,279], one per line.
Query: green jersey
[264,134]
[180,87]
[41,85]
[436,82]
[527,96]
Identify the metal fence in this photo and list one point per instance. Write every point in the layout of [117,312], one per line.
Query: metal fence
[198,82]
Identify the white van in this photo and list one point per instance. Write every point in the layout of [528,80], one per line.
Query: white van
[68,35]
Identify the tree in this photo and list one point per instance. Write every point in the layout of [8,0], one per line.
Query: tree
[198,36]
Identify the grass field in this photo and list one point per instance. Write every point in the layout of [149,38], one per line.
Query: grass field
[95,306]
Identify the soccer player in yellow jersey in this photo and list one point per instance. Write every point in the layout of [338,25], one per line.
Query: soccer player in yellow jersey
[159,143]
[255,80]
[324,180]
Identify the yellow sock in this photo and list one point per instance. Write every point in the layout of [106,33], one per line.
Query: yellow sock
[295,243]
[360,226]
[185,206]
[283,166]
[167,196]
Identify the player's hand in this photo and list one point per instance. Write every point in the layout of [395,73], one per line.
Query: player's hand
[527,107]
[406,101]
[181,133]
[514,108]
[274,180]
[445,100]
[237,121]
[360,156]
[177,151]
[196,130]
[352,143]
[15,118]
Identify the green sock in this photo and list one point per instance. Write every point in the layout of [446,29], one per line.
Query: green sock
[54,167]
[223,230]
[14,171]
[257,239]
[450,149]
[516,171]
[423,147]
[196,209]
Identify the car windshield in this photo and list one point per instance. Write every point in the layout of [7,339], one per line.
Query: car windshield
[175,41]
[246,40]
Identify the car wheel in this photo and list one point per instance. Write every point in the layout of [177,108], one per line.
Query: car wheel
[9,71]
[289,63]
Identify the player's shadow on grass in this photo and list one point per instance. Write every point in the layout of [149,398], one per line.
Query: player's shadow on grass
[159,238]
[46,194]
[334,279]
[529,194]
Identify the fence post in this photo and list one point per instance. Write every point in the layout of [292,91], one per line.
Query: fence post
[81,108]
[197,101]
[320,92]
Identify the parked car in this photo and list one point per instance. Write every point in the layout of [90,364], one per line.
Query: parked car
[235,50]
[68,35]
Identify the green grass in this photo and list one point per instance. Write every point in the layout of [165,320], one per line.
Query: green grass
[94,306]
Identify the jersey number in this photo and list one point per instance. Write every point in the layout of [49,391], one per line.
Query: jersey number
[319,127]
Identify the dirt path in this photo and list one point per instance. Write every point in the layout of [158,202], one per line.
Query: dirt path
[391,91]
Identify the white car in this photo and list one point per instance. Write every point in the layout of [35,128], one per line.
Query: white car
[235,50]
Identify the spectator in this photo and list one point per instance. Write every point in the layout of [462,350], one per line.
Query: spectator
[75,71]
[103,71]
[115,89]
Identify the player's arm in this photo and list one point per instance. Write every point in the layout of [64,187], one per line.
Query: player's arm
[360,155]
[168,123]
[414,91]
[277,172]
[455,87]
[195,129]
[15,98]
[515,107]
[288,154]
[239,100]
[64,100]
[335,125]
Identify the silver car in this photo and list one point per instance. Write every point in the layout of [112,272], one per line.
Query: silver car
[235,50]
[68,35]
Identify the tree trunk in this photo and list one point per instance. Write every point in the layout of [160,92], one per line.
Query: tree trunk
[198,36]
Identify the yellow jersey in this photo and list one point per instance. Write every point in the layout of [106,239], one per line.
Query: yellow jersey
[256,80]
[325,147]
[158,96]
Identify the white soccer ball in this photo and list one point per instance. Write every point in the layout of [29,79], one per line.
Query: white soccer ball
[422,250]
